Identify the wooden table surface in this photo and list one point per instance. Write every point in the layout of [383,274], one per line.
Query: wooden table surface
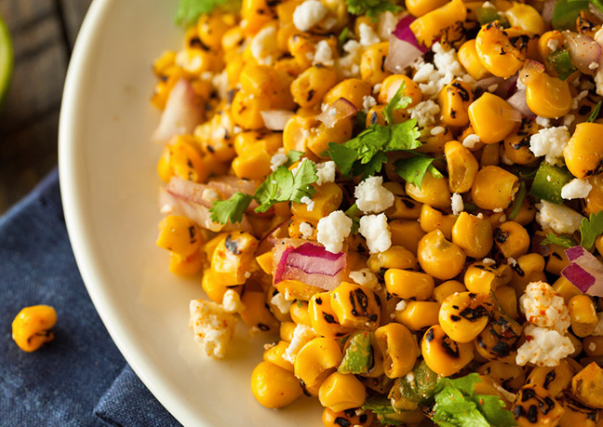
[43,34]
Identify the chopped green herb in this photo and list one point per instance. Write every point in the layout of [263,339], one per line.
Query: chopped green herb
[230,210]
[380,405]
[189,10]
[413,169]
[410,391]
[353,213]
[590,229]
[595,114]
[398,102]
[371,8]
[343,37]
[565,241]
[560,60]
[293,156]
[519,198]
[486,15]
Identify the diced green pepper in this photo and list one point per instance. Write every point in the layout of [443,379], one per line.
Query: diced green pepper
[486,15]
[549,181]
[560,60]
[414,389]
[358,358]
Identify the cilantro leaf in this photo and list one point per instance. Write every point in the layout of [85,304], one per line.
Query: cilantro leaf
[371,8]
[284,186]
[567,11]
[398,102]
[404,136]
[343,157]
[553,239]
[595,114]
[353,213]
[371,168]
[223,211]
[380,405]
[413,169]
[590,229]
[293,156]
[189,10]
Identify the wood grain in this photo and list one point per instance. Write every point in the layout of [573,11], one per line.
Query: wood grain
[43,34]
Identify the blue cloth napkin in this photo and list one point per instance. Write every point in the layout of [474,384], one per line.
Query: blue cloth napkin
[79,379]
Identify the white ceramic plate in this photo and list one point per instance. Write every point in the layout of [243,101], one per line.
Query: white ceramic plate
[109,187]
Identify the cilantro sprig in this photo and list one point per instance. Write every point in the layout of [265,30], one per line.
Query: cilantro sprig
[413,169]
[595,114]
[372,8]
[281,186]
[590,229]
[562,240]
[398,102]
[189,10]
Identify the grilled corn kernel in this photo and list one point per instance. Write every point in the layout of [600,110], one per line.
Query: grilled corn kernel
[429,26]
[179,235]
[553,379]
[372,62]
[273,386]
[180,158]
[310,87]
[341,391]
[512,239]
[32,327]
[469,59]
[535,406]
[409,284]
[331,418]
[294,289]
[354,90]
[211,28]
[525,17]
[421,7]
[566,289]
[593,346]
[215,284]
[461,165]
[406,233]
[398,348]
[316,361]
[587,386]
[390,86]
[557,259]
[499,339]
[433,191]
[394,257]
[432,219]
[454,100]
[584,152]
[496,51]
[286,331]
[443,291]
[356,306]
[275,354]
[323,319]
[576,414]
[246,110]
[438,257]
[491,118]
[443,355]
[299,313]
[494,188]
[507,298]
[320,137]
[418,314]
[490,155]
[583,315]
[234,255]
[255,14]
[256,314]
[509,376]
[186,266]
[464,315]
[473,234]
[484,278]
[326,199]
[548,96]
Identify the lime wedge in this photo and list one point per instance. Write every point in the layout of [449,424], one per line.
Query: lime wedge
[6,60]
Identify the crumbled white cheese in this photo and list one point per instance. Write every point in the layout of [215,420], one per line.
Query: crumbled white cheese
[470,141]
[323,54]
[301,336]
[512,261]
[308,14]
[497,210]
[365,277]
[333,230]
[279,159]
[543,347]
[349,64]
[425,113]
[306,229]
[568,120]
[543,122]
[544,307]
[372,196]
[592,346]
[325,172]
[437,130]
[593,65]
[368,102]
[375,229]
[488,262]
[401,306]
[368,37]
[308,202]
[578,98]
[553,44]
[231,301]
[376,88]
[210,195]
[387,24]
[550,142]
[264,45]
[488,5]
[279,301]
[457,204]
[559,218]
[424,73]
[213,326]
[576,189]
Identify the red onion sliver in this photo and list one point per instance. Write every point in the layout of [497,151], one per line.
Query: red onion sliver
[579,277]
[401,55]
[181,115]
[339,110]
[276,119]
[404,33]
[530,70]
[280,267]
[575,252]
[518,101]
[585,271]
[583,51]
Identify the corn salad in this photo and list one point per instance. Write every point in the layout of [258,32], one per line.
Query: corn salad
[406,198]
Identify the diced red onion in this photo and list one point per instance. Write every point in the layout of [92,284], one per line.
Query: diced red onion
[530,70]
[401,54]
[583,51]
[584,271]
[404,33]
[519,102]
[276,119]
[339,110]
[513,115]
[547,11]
[181,115]
[188,190]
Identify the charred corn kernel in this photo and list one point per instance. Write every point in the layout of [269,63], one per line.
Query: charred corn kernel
[443,291]
[316,361]
[461,165]
[341,391]
[394,257]
[535,406]
[548,96]
[584,151]
[483,279]
[432,219]
[297,131]
[593,203]
[434,144]
[273,386]
[265,261]
[507,298]
[525,17]
[553,379]
[404,208]
[180,158]
[234,255]
[508,375]
[464,315]
[433,191]
[323,318]
[211,28]
[419,8]
[375,116]
[593,346]
[454,100]
[473,234]
[354,90]
[320,137]
[356,306]
[439,257]
[195,61]
[372,69]
[267,82]
[406,233]
[557,259]
[443,355]
[294,289]
[494,188]
[286,331]
[32,327]
[310,86]
[587,386]
[299,313]
[233,39]
[326,199]
[488,386]
[186,266]
[583,315]
[216,136]
[469,59]
[517,145]
[566,289]
[429,26]
[577,414]
[275,354]
[492,118]
[496,51]
[499,339]
[255,14]
[256,314]
[409,284]
[390,86]
[331,418]
[179,235]
[398,347]
[246,110]
[418,314]
[512,239]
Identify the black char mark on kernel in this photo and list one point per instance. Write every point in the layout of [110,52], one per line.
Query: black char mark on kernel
[340,421]
[450,347]
[474,314]
[461,91]
[232,245]
[328,318]
[501,236]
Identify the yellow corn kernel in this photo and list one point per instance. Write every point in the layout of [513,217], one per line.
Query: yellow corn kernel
[406,233]
[331,418]
[354,90]
[454,100]
[390,86]
[473,234]
[419,314]
[429,26]
[323,318]
[469,59]
[356,306]
[419,8]
[583,315]
[294,289]
[286,331]
[246,110]
[494,188]
[439,257]
[496,51]
[499,339]
[398,348]
[326,199]
[32,327]
[577,414]
[233,39]
[404,207]
[316,361]
[512,239]
[255,14]
[527,269]
[547,39]
[491,118]
[256,314]
[432,219]
[310,86]
[557,259]
[584,151]
[394,257]
[490,155]
[509,376]
[297,130]
[186,266]
[299,313]
[275,353]
[488,386]
[587,386]
[320,137]
[593,346]
[548,96]
[265,261]
[464,315]
[372,69]
[433,191]
[235,255]
[443,355]
[553,379]
[179,235]
[254,164]
[195,61]
[507,298]
[409,284]
[517,145]
[180,158]
[481,278]
[266,82]
[443,291]
[461,165]
[593,203]
[566,289]
[216,136]
[341,391]
[525,17]
[211,28]
[215,284]
[273,386]
[535,406]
